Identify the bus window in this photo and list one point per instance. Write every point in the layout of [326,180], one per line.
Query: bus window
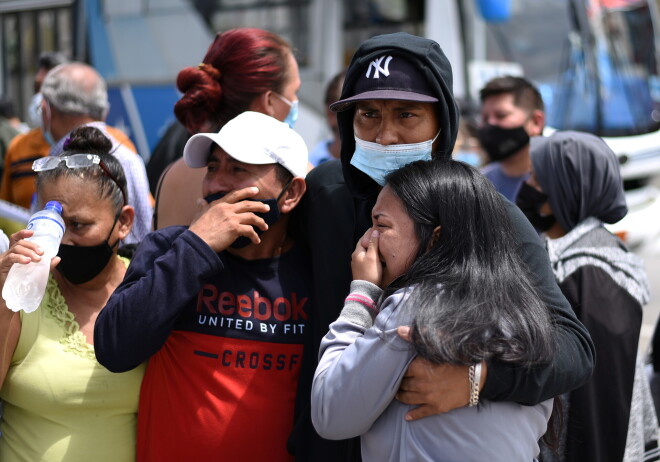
[594,61]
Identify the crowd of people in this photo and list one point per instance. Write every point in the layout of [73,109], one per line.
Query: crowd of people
[374,299]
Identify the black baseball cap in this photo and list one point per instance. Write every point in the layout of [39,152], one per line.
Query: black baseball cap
[389,77]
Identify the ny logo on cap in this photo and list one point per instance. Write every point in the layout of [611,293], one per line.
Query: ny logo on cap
[376,64]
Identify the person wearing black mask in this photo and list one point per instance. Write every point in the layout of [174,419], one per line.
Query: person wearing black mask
[49,377]
[221,308]
[574,188]
[512,112]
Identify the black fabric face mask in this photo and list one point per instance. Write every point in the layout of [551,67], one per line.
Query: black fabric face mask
[269,217]
[530,200]
[501,143]
[80,264]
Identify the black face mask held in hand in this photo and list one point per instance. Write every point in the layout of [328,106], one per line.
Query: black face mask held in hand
[530,200]
[269,217]
[501,143]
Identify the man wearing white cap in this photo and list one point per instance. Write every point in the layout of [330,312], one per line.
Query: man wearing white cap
[220,309]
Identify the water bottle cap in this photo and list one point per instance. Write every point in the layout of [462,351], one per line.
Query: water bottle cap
[54,205]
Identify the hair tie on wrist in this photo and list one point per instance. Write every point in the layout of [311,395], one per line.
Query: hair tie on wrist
[210,70]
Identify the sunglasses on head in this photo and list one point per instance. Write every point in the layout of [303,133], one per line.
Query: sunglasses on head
[76,161]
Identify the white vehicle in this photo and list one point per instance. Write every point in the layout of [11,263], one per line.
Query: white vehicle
[640,163]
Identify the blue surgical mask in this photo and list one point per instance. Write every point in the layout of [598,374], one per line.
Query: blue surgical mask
[377,160]
[34,111]
[292,116]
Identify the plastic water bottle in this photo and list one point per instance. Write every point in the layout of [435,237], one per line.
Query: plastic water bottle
[26,283]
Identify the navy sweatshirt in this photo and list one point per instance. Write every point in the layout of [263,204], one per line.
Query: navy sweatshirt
[224,338]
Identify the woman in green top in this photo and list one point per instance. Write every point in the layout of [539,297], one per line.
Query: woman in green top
[59,402]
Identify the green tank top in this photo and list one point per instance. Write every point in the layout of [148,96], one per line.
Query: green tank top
[60,404]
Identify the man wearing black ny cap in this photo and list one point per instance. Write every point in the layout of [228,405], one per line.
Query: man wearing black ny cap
[397,106]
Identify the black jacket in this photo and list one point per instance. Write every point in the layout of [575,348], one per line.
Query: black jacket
[335,213]
[432,63]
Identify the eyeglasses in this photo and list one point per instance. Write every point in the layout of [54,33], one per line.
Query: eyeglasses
[76,161]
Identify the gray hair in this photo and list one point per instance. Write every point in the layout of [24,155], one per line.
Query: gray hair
[76,88]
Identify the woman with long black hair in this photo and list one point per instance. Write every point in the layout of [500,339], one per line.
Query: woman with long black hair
[439,257]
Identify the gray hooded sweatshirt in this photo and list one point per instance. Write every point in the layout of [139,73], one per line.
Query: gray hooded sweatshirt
[363,361]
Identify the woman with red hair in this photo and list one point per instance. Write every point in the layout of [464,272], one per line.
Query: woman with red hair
[245,69]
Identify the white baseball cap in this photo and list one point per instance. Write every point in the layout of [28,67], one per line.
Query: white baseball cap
[253,138]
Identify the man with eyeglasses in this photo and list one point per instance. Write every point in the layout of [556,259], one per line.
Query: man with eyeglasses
[74,95]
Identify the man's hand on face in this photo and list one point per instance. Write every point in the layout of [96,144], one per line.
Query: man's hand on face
[221,222]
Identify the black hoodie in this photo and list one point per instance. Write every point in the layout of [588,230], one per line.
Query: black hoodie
[432,63]
[336,212]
